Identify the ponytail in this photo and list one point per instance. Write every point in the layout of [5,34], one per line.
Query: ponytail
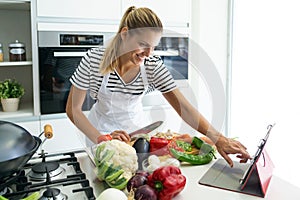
[133,18]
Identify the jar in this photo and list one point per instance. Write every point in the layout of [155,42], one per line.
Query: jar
[1,53]
[17,51]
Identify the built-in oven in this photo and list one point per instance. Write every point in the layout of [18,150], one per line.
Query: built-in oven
[59,55]
[61,52]
[174,52]
[173,49]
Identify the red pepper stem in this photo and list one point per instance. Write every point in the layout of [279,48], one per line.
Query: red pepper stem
[158,186]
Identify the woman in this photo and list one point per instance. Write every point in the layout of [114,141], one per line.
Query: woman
[128,71]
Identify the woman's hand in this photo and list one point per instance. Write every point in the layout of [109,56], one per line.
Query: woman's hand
[227,146]
[120,135]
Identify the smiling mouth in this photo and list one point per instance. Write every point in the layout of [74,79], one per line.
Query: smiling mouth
[140,58]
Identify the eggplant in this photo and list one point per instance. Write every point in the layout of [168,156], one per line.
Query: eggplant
[142,148]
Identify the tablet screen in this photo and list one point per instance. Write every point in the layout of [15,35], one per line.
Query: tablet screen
[257,155]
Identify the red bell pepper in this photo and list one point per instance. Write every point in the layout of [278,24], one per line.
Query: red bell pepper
[167,181]
[161,146]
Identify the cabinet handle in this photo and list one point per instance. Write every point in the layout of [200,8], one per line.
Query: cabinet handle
[69,54]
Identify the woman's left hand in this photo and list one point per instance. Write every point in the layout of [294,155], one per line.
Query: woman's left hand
[227,146]
[120,135]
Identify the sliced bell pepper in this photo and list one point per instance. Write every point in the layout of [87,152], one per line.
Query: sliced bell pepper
[206,153]
[161,146]
[192,159]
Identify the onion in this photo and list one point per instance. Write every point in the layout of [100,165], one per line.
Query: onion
[136,181]
[112,193]
[145,192]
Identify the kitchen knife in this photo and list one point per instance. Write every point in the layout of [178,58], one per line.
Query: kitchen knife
[146,129]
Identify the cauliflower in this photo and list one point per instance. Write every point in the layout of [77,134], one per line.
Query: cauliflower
[116,162]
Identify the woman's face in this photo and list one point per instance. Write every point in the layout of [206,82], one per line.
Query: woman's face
[139,45]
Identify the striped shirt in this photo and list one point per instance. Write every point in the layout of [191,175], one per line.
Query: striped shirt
[88,77]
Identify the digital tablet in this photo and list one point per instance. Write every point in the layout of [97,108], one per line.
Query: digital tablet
[236,178]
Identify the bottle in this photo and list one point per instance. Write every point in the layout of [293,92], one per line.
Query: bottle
[1,53]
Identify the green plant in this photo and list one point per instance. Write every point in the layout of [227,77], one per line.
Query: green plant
[10,88]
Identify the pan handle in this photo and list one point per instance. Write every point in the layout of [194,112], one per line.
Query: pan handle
[48,132]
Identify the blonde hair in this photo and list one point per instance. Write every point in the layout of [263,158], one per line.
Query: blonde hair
[133,18]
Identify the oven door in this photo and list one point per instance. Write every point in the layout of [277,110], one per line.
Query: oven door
[56,66]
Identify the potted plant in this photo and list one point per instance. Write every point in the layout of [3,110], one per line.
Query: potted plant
[10,93]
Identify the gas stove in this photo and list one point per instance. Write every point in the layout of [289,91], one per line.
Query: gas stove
[61,176]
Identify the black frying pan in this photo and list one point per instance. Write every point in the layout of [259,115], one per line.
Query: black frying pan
[17,146]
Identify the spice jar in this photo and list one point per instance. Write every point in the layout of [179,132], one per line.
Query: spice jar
[1,53]
[17,51]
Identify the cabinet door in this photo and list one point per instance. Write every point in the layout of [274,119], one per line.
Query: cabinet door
[66,136]
[86,9]
[171,12]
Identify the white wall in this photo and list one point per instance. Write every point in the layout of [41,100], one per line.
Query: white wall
[209,36]
[265,79]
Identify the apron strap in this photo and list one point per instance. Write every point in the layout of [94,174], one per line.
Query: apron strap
[144,77]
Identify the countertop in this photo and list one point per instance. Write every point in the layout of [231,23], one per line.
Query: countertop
[278,189]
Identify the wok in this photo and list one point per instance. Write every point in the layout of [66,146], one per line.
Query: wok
[17,146]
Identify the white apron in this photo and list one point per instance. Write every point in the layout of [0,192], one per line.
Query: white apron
[118,111]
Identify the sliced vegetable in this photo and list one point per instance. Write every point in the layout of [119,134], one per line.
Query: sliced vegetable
[118,184]
[206,153]
[199,159]
[102,138]
[184,145]
[159,146]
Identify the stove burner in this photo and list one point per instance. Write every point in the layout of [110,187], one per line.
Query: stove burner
[39,171]
[44,166]
[53,193]
[5,191]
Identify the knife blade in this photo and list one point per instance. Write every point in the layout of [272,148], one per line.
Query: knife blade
[146,129]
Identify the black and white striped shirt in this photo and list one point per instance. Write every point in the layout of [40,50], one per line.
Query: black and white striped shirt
[88,77]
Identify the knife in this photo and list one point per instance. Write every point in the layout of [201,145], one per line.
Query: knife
[146,129]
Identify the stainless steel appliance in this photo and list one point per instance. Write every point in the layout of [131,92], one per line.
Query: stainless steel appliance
[68,175]
[59,56]
[61,52]
[174,52]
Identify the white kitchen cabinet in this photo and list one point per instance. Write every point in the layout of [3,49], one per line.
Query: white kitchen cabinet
[33,127]
[66,136]
[12,29]
[79,9]
[173,13]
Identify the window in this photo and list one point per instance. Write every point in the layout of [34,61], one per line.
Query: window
[265,77]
